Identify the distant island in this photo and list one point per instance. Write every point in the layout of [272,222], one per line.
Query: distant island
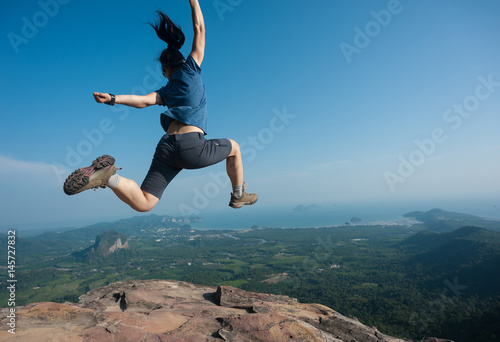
[305,208]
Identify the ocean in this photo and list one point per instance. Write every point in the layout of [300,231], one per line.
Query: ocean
[314,215]
[307,216]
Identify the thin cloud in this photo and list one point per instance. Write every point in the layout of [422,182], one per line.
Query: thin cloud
[329,165]
[16,170]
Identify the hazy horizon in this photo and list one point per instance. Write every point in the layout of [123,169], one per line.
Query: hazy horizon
[283,217]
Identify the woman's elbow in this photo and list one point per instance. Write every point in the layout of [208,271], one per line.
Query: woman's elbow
[149,100]
[199,30]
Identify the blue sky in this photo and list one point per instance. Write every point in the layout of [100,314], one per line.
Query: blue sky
[331,101]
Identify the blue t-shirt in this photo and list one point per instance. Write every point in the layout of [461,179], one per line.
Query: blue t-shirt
[185,97]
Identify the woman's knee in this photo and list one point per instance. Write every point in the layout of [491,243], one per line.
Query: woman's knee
[235,148]
[144,208]
[147,205]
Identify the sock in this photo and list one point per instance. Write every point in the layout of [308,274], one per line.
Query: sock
[113,181]
[238,190]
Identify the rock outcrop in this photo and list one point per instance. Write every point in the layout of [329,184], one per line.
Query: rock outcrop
[117,245]
[175,311]
[108,242]
[105,244]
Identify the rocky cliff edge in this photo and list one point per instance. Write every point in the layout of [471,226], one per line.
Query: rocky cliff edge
[175,311]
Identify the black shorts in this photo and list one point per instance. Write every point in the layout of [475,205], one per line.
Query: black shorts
[182,151]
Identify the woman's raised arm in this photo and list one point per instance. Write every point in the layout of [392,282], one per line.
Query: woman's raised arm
[198,50]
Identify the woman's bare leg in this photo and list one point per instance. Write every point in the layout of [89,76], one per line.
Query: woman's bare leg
[234,164]
[234,167]
[129,192]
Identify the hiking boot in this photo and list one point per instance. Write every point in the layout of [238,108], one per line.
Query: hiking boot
[93,176]
[245,199]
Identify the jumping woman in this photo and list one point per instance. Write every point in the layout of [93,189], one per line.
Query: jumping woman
[184,145]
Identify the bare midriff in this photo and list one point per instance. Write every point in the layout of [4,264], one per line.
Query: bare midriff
[177,127]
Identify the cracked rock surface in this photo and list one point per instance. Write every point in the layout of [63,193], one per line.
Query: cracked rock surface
[175,311]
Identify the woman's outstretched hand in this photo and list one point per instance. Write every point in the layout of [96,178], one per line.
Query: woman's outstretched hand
[102,97]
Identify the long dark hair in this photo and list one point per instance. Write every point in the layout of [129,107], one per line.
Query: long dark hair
[171,34]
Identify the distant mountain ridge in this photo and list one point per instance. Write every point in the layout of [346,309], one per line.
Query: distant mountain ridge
[59,242]
[124,226]
[439,220]
[427,240]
